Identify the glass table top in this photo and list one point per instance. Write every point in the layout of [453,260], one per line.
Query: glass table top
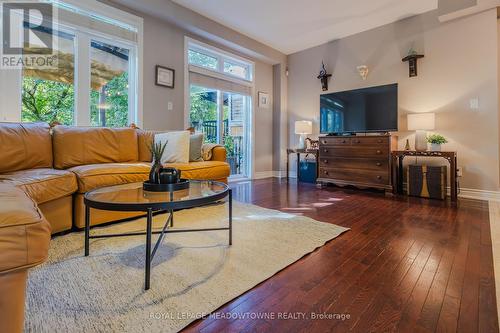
[133,193]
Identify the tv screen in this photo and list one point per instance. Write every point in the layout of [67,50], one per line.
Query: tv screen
[372,109]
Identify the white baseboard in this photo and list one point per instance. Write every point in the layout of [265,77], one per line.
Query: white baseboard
[271,174]
[469,193]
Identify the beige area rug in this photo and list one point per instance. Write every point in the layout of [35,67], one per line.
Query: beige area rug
[193,274]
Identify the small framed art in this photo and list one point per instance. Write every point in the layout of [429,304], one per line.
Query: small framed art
[165,77]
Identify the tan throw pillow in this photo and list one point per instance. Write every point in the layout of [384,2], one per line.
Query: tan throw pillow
[177,150]
[196,141]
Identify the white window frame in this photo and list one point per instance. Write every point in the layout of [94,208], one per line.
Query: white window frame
[82,100]
[83,37]
[221,56]
[190,43]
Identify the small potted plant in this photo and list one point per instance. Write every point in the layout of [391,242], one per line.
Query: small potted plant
[436,140]
[156,150]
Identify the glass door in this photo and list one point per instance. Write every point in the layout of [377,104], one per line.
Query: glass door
[204,113]
[223,117]
[234,136]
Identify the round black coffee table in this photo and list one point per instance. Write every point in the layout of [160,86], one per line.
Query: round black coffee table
[132,198]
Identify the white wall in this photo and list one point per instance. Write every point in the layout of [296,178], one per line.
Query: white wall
[460,63]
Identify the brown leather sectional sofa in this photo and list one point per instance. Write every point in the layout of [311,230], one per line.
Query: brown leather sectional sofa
[44,174]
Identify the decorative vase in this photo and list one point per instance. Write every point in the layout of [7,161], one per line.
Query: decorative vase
[170,175]
[154,173]
[407,146]
[435,147]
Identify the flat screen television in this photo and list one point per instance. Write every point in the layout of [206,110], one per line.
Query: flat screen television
[373,109]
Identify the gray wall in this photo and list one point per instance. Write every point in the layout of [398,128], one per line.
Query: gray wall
[164,45]
[460,63]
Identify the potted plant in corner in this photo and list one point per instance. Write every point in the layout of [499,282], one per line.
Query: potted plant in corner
[436,140]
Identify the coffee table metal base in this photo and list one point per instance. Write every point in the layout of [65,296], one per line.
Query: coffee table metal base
[149,232]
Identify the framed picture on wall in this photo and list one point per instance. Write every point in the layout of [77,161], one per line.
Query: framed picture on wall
[165,77]
[264,100]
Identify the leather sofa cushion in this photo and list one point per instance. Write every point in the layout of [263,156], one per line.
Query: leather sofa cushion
[24,232]
[74,146]
[144,139]
[25,146]
[43,185]
[93,176]
[219,154]
[211,170]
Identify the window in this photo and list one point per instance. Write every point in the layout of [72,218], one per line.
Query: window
[203,60]
[201,55]
[237,70]
[48,95]
[109,85]
[96,81]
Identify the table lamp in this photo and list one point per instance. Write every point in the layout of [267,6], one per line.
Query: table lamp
[421,122]
[303,128]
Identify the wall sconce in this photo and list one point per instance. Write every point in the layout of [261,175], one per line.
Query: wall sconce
[324,76]
[363,71]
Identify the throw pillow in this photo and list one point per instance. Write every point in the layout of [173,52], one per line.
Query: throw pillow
[196,141]
[177,149]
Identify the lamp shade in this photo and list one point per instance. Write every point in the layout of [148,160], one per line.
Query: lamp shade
[303,127]
[421,121]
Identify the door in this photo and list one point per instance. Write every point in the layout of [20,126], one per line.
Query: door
[223,118]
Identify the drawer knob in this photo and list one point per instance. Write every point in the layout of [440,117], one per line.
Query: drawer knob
[343,141]
[325,150]
[379,164]
[325,161]
[379,141]
[379,177]
[379,152]
[324,142]
[325,172]
[358,141]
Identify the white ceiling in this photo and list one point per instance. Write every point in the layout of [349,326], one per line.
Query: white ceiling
[294,25]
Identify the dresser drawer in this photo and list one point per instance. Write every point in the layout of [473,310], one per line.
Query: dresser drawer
[353,151]
[355,175]
[335,141]
[380,164]
[370,141]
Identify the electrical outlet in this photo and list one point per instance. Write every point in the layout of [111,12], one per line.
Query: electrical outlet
[474,103]
[459,171]
[170,106]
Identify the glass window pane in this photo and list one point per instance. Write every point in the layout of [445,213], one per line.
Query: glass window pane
[236,70]
[235,109]
[200,59]
[48,94]
[109,80]
[204,112]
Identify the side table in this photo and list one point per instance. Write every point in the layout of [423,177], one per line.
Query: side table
[397,168]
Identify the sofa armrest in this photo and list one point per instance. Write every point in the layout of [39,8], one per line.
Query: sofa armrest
[219,154]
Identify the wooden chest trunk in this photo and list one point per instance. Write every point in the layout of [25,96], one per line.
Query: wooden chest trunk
[427,181]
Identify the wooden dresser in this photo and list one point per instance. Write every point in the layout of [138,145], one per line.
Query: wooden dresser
[361,161]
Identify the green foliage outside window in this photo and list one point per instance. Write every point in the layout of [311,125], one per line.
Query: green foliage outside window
[47,101]
[52,101]
[116,101]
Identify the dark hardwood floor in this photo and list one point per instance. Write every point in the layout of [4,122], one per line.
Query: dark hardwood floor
[407,265]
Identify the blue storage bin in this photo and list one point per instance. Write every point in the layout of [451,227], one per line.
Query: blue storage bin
[307,172]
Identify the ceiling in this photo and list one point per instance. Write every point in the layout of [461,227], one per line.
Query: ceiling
[294,25]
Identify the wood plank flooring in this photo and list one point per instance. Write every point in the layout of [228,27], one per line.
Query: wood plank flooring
[407,265]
